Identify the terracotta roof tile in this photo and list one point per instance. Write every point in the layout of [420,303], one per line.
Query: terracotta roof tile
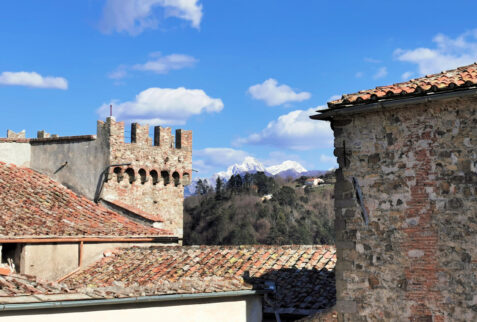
[304,275]
[136,211]
[454,79]
[24,285]
[34,206]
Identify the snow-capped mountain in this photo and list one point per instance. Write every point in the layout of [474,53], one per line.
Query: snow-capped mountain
[249,165]
[286,166]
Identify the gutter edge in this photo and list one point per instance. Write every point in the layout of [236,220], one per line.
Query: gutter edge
[127,300]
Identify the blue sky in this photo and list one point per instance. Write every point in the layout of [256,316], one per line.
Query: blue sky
[243,75]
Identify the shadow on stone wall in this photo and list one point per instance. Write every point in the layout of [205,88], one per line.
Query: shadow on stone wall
[298,292]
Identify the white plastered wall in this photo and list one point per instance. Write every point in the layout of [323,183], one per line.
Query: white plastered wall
[241,309]
[16,153]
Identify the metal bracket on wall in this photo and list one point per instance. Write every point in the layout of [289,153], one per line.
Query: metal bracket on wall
[359,197]
[346,161]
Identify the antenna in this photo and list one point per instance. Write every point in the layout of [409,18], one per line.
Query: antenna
[111,110]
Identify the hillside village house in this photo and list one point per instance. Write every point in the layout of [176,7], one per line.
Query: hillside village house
[406,199]
[91,228]
[313,182]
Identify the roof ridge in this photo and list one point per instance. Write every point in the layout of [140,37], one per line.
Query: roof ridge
[453,79]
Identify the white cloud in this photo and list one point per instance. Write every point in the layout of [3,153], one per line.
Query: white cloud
[406,75]
[119,72]
[164,106]
[294,130]
[213,158]
[32,79]
[164,64]
[134,16]
[448,54]
[159,64]
[382,72]
[359,74]
[278,157]
[274,94]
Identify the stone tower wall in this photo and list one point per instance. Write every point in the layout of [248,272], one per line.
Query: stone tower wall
[154,181]
[416,169]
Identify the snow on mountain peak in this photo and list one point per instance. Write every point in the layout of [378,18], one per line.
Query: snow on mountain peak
[285,166]
[249,164]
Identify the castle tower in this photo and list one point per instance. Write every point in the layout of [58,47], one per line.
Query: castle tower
[145,176]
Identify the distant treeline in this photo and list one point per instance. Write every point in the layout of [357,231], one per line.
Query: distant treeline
[241,211]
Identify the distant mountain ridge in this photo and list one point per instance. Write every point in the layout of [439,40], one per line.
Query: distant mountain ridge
[251,165]
[286,166]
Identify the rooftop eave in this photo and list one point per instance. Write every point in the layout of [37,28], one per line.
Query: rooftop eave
[81,300]
[358,108]
[93,239]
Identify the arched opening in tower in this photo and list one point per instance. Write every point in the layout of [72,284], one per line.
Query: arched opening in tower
[165,177]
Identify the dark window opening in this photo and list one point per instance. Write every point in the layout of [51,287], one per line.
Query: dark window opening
[154,176]
[143,176]
[130,173]
[119,175]
[177,178]
[165,177]
[11,254]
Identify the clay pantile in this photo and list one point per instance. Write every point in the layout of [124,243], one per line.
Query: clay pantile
[137,211]
[24,285]
[34,206]
[304,280]
[454,79]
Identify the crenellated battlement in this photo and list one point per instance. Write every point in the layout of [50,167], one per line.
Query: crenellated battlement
[16,135]
[114,133]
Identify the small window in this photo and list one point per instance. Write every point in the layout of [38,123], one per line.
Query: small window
[143,176]
[185,179]
[119,175]
[177,178]
[165,177]
[130,173]
[11,255]
[154,176]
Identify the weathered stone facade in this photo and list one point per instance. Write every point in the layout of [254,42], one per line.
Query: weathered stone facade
[416,168]
[154,181]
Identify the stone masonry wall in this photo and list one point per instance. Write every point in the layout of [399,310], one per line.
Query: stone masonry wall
[154,182]
[416,167]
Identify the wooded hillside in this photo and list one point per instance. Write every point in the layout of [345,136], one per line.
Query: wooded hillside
[256,209]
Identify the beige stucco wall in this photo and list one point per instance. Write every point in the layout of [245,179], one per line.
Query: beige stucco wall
[240,309]
[16,153]
[49,261]
[52,261]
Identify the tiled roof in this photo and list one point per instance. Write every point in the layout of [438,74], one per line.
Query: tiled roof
[24,285]
[450,80]
[135,211]
[304,275]
[34,206]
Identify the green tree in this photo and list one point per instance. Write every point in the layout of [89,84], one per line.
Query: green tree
[285,196]
[218,188]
